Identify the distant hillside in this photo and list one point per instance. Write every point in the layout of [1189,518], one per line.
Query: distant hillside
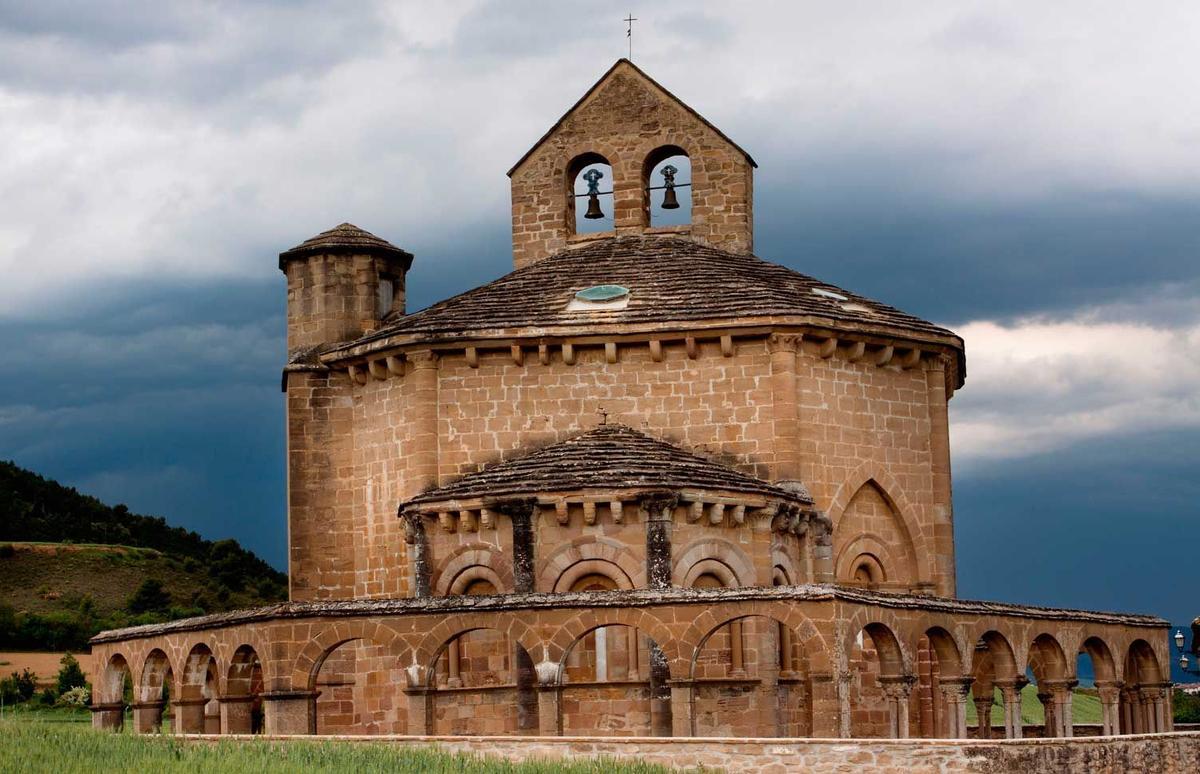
[106,567]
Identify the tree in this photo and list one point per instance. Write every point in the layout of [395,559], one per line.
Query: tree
[70,675]
[150,597]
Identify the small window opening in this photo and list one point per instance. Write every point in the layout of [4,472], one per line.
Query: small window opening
[591,199]
[668,183]
[387,295]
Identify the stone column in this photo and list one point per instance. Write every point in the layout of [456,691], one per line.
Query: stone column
[955,691]
[1153,702]
[189,715]
[983,714]
[1010,693]
[681,708]
[820,534]
[108,717]
[290,712]
[521,514]
[824,707]
[549,697]
[897,690]
[414,536]
[419,700]
[939,452]
[147,717]
[785,404]
[660,511]
[1060,696]
[1110,706]
[423,460]
[236,714]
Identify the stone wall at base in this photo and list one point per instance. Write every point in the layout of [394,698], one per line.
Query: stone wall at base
[1174,753]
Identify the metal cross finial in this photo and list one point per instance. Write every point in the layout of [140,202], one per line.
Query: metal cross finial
[629,33]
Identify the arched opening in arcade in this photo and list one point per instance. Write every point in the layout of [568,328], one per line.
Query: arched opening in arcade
[942,688]
[112,693]
[614,681]
[1046,670]
[242,703]
[199,711]
[768,694]
[357,683]
[995,707]
[1097,696]
[880,687]
[152,707]
[1144,705]
[492,690]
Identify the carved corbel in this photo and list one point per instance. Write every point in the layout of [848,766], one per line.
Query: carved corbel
[784,342]
[568,353]
[738,515]
[356,375]
[378,369]
[911,358]
[518,354]
[690,344]
[395,365]
[695,511]
[589,513]
[856,351]
[828,347]
[543,354]
[617,508]
[466,520]
[610,352]
[561,513]
[472,357]
[716,513]
[656,352]
[884,355]
[727,346]
[446,521]
[487,519]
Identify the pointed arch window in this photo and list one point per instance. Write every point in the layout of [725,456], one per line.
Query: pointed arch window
[667,180]
[590,194]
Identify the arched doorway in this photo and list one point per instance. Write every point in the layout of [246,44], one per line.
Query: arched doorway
[242,704]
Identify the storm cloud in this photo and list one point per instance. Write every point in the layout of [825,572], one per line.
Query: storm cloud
[1030,177]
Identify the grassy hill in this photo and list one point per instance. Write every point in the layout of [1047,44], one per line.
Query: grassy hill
[71,566]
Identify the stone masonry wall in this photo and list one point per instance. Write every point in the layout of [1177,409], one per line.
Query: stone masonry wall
[1177,753]
[873,427]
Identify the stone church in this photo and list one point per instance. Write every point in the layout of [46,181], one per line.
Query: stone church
[646,484]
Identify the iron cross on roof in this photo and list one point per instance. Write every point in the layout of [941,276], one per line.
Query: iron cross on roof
[629,20]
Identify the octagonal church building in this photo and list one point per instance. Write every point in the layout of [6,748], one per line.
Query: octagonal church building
[646,484]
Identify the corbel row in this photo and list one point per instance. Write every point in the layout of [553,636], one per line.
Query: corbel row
[827,346]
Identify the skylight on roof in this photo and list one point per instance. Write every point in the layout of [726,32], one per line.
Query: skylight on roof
[823,293]
[600,298]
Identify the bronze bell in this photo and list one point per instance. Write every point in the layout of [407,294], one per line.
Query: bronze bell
[592,176]
[669,200]
[593,211]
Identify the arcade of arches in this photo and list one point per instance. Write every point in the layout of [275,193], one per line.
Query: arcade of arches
[787,661]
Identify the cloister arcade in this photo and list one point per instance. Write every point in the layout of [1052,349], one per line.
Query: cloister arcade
[786,661]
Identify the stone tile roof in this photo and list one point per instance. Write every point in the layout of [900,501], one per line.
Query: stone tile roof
[608,457]
[346,238]
[670,280]
[633,598]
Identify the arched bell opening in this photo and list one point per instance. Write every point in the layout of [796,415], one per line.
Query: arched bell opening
[770,695]
[880,688]
[590,195]
[492,692]
[242,703]
[614,681]
[667,183]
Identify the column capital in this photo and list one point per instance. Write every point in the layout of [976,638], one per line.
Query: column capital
[237,699]
[955,687]
[784,342]
[517,506]
[659,505]
[897,686]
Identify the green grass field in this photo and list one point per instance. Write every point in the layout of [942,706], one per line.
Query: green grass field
[1085,706]
[71,748]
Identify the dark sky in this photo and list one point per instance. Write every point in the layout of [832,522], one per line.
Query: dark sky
[1031,179]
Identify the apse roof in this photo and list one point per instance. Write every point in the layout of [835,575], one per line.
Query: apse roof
[609,457]
[669,279]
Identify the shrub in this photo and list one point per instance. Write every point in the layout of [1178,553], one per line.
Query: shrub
[70,675]
[48,697]
[18,687]
[7,550]
[1187,707]
[79,696]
